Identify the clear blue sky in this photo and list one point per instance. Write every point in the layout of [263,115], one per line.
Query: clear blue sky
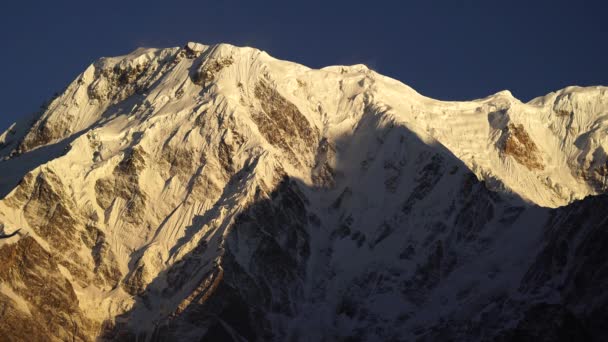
[444,49]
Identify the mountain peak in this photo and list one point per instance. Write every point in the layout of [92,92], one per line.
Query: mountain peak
[212,191]
[505,93]
[195,47]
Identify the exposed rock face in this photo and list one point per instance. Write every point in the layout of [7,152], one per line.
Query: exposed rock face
[205,75]
[282,124]
[106,268]
[124,184]
[38,302]
[216,193]
[47,211]
[519,145]
[45,132]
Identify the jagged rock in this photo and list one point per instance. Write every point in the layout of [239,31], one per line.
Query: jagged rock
[206,74]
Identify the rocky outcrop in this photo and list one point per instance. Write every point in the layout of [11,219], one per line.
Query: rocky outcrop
[124,184]
[117,82]
[208,70]
[283,126]
[46,131]
[48,211]
[42,304]
[106,269]
[517,144]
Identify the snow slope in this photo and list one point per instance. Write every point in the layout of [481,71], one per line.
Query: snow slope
[215,192]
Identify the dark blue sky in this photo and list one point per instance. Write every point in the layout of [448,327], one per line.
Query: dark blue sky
[452,50]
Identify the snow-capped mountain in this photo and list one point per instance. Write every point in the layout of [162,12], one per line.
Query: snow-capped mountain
[216,193]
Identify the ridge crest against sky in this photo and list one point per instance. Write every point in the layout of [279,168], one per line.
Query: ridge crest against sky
[443,49]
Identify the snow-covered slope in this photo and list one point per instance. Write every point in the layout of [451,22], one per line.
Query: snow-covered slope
[216,192]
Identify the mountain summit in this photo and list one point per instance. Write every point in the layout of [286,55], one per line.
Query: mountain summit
[216,193]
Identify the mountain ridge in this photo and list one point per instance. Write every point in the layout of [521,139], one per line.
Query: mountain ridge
[216,192]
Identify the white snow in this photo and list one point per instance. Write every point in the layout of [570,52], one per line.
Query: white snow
[348,105]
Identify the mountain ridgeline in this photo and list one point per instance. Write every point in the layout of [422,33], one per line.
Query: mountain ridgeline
[215,193]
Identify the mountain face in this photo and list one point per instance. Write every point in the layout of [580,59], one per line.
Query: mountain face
[216,193]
